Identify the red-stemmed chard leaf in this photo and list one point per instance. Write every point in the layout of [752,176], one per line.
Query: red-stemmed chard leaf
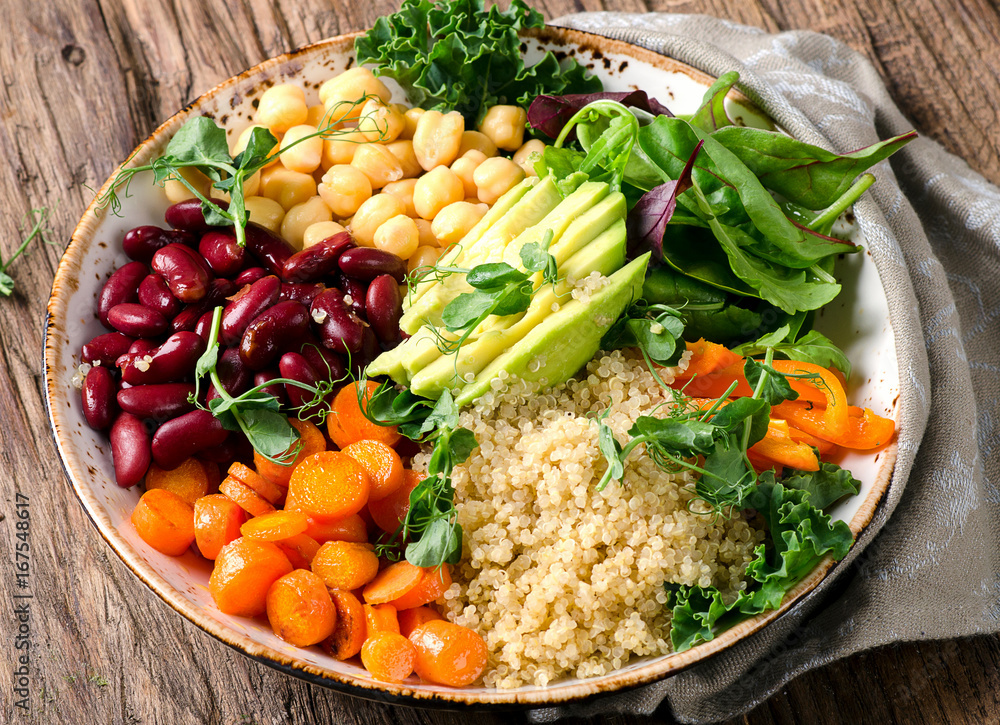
[549,114]
[648,219]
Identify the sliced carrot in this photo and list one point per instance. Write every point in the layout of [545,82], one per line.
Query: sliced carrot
[381,618]
[410,619]
[345,564]
[351,631]
[217,521]
[249,478]
[244,571]
[448,654]
[382,463]
[707,357]
[189,480]
[346,423]
[777,445]
[393,582]
[865,432]
[328,486]
[245,496]
[212,472]
[351,528]
[165,521]
[300,609]
[275,526]
[433,584]
[300,549]
[388,656]
[311,440]
[387,513]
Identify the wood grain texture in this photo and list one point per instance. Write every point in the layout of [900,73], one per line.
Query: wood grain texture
[82,82]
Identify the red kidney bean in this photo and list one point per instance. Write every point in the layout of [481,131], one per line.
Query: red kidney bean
[99,406]
[243,310]
[272,332]
[136,320]
[249,276]
[161,401]
[173,361]
[277,390]
[305,292]
[130,449]
[233,374]
[327,363]
[155,294]
[143,345]
[295,367]
[367,263]
[142,243]
[219,291]
[319,260]
[271,250]
[184,270]
[180,438]
[235,449]
[384,304]
[369,351]
[223,254]
[187,319]
[187,215]
[203,328]
[357,291]
[121,287]
[339,328]
[105,349]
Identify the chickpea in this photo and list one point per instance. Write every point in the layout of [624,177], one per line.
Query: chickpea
[379,122]
[495,177]
[281,107]
[378,164]
[373,214]
[305,155]
[315,115]
[176,190]
[344,189]
[465,166]
[437,138]
[435,190]
[403,151]
[316,233]
[266,212]
[286,187]
[412,115]
[528,154]
[404,190]
[455,220]
[398,236]
[474,140]
[344,94]
[302,216]
[504,125]
[341,147]
[427,238]
[425,256]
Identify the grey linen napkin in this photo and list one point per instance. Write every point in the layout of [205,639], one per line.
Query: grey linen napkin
[932,570]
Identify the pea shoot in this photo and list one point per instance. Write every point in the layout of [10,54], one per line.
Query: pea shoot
[39,221]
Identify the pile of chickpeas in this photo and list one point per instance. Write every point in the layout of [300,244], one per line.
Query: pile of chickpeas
[404,180]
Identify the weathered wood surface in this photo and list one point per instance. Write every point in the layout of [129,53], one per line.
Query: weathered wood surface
[83,82]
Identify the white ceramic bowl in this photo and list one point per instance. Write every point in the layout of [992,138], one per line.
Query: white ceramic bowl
[858,321]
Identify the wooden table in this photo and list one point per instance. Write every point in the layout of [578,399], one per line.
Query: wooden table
[83,82]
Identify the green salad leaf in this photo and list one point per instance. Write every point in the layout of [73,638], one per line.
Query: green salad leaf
[460,56]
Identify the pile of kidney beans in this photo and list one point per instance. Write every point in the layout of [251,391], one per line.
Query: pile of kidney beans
[298,315]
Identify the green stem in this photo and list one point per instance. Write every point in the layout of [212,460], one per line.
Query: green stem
[40,220]
[829,215]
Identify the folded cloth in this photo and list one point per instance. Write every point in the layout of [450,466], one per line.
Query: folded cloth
[932,570]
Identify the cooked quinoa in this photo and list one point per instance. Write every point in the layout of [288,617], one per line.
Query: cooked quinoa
[558,578]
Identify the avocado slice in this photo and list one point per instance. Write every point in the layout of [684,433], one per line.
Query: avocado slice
[557,348]
[605,254]
[528,211]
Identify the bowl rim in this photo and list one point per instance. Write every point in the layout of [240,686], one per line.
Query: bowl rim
[460,699]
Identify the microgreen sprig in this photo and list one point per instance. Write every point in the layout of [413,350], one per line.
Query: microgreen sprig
[39,221]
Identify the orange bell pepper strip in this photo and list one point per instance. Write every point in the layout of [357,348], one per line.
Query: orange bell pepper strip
[777,445]
[707,357]
[864,432]
[835,414]
[825,448]
[715,384]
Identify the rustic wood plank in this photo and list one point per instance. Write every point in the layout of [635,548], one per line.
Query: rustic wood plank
[84,81]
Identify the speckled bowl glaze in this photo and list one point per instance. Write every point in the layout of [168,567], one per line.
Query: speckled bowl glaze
[858,320]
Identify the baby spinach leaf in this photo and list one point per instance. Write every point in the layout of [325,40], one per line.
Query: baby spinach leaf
[802,173]
[665,286]
[712,116]
[731,322]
